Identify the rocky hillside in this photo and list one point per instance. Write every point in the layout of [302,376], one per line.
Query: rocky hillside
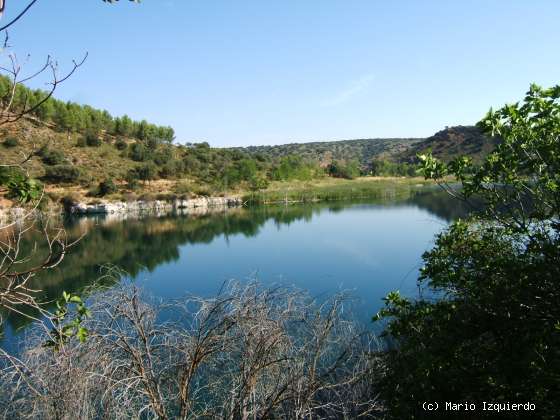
[451,142]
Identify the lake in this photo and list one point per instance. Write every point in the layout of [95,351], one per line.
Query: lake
[365,247]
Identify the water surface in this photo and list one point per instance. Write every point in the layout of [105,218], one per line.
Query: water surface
[367,247]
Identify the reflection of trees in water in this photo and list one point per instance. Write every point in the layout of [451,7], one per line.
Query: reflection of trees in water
[144,244]
[441,204]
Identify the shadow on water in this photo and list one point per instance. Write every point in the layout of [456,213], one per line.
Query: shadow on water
[137,245]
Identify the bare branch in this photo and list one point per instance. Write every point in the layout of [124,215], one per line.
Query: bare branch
[18,17]
[246,353]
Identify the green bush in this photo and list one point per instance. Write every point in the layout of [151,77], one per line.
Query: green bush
[258,183]
[121,144]
[62,174]
[166,197]
[380,167]
[52,157]
[11,142]
[147,197]
[172,169]
[294,167]
[132,183]
[147,172]
[93,140]
[106,187]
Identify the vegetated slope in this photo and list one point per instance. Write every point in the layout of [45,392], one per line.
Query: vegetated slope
[95,163]
[361,150]
[103,163]
[72,145]
[451,142]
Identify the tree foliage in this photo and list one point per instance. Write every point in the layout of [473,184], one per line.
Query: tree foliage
[51,157]
[106,187]
[62,174]
[488,326]
[348,170]
[383,167]
[72,117]
[295,167]
[19,186]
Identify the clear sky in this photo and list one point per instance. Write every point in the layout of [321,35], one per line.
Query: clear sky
[268,72]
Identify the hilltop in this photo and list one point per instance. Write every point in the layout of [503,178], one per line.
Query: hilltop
[360,150]
[451,142]
[445,144]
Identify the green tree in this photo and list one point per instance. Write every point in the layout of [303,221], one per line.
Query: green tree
[258,183]
[122,128]
[247,169]
[294,167]
[139,152]
[348,170]
[143,130]
[46,111]
[488,327]
[153,143]
[163,155]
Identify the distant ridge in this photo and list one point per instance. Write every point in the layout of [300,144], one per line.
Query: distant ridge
[445,144]
[361,150]
[451,142]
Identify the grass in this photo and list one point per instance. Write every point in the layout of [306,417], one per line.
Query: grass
[331,189]
[325,189]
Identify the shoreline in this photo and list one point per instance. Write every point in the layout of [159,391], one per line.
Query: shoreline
[290,193]
[141,206]
[122,208]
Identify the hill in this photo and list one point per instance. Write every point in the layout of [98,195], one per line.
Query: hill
[360,150]
[77,149]
[451,142]
[102,163]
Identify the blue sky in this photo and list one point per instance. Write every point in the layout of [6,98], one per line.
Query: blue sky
[269,72]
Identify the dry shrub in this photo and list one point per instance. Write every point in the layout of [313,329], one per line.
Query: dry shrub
[248,353]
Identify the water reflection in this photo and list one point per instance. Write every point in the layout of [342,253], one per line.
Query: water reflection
[167,248]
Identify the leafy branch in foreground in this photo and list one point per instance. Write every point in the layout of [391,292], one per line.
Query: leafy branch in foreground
[64,330]
[486,325]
